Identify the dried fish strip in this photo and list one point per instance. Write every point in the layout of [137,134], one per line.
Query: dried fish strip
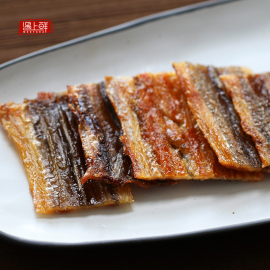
[144,135]
[99,130]
[216,116]
[45,132]
[135,99]
[251,99]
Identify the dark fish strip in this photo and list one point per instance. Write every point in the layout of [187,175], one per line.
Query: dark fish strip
[251,99]
[78,160]
[99,132]
[46,134]
[59,168]
[216,116]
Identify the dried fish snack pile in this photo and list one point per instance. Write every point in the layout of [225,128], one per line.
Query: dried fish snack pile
[216,116]
[46,135]
[83,148]
[160,133]
[251,98]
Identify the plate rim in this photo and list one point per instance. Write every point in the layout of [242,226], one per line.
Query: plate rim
[114,29]
[206,232]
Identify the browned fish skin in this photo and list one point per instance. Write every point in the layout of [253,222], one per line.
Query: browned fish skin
[216,116]
[162,115]
[153,127]
[251,99]
[144,135]
[45,132]
[99,132]
[144,163]
[180,128]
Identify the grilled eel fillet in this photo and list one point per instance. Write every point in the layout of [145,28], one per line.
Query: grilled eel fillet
[216,116]
[251,98]
[160,133]
[46,135]
[100,131]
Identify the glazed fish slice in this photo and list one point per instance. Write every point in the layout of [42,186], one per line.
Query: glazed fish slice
[144,137]
[251,99]
[161,94]
[46,135]
[216,116]
[99,130]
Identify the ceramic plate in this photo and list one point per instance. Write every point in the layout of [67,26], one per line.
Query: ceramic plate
[216,32]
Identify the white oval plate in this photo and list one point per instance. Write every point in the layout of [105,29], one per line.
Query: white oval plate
[233,33]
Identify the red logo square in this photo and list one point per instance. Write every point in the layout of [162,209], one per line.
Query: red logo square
[35,27]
